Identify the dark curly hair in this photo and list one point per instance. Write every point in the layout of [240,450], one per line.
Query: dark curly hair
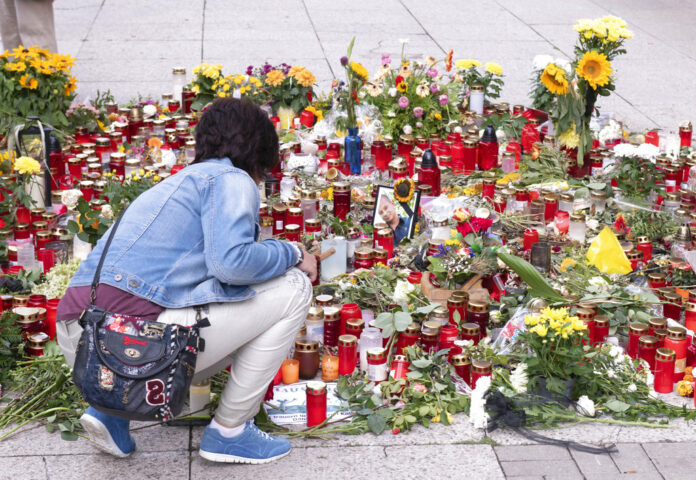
[240,131]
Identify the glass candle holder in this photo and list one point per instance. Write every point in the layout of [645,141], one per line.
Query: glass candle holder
[599,202]
[332,326]
[471,331]
[399,367]
[656,323]
[531,236]
[676,340]
[577,227]
[690,316]
[290,371]
[407,338]
[316,403]
[656,279]
[562,218]
[307,353]
[480,368]
[672,306]
[647,348]
[478,312]
[355,327]
[341,199]
[566,202]
[540,256]
[601,329]
[462,366]
[664,370]
[279,212]
[377,364]
[347,354]
[329,368]
[635,331]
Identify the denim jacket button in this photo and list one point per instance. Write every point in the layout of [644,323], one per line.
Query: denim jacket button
[118,277]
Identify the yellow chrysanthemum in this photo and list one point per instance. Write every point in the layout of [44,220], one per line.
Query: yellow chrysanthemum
[305,78]
[554,79]
[540,330]
[570,138]
[506,179]
[685,388]
[466,63]
[27,165]
[275,78]
[494,68]
[359,70]
[28,82]
[595,69]
[295,69]
[566,263]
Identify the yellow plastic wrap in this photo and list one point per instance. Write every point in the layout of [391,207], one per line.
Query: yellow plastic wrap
[606,254]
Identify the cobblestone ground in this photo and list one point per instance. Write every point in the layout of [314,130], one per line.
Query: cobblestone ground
[130,46]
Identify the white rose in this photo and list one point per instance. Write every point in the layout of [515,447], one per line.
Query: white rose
[392,92]
[402,290]
[586,406]
[107,211]
[408,129]
[149,110]
[632,387]
[69,198]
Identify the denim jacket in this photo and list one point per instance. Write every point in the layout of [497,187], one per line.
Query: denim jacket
[191,240]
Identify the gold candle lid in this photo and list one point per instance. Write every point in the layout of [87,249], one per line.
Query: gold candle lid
[460,359]
[306,345]
[665,354]
[637,328]
[478,306]
[471,329]
[316,387]
[315,314]
[601,321]
[676,333]
[647,340]
[481,366]
[347,340]
[377,353]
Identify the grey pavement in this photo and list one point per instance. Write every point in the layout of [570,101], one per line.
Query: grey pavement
[130,46]
[451,452]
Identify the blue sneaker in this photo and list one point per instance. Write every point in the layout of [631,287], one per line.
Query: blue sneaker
[108,433]
[250,446]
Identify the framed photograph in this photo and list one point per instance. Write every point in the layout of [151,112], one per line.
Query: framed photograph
[397,207]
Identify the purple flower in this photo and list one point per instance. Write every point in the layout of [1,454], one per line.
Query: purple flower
[344,60]
[434,88]
[432,73]
[386,59]
[250,70]
[418,112]
[403,102]
[267,68]
[444,99]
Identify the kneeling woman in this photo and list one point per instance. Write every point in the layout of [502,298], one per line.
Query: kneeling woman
[191,242]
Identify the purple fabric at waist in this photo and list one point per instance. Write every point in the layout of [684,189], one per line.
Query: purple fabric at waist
[76,300]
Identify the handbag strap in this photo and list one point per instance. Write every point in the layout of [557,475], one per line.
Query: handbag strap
[97,272]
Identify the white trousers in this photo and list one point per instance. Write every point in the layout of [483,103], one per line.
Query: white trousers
[253,337]
[27,23]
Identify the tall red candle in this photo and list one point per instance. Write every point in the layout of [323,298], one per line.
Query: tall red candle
[316,403]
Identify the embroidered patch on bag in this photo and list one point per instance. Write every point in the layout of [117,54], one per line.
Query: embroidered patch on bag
[155,392]
[106,379]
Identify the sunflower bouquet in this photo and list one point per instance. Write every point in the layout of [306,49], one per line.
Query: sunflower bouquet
[413,98]
[576,91]
[37,82]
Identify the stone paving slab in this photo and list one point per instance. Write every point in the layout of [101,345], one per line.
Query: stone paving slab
[140,465]
[235,33]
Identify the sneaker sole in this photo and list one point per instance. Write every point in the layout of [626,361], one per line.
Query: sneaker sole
[223,458]
[100,437]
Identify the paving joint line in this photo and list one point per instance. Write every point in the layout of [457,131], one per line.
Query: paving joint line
[205,4]
[316,34]
[651,460]
[422,27]
[89,30]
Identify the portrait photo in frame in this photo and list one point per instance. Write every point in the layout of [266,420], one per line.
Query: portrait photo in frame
[399,211]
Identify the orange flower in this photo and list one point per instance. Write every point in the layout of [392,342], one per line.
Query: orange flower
[275,77]
[154,142]
[448,60]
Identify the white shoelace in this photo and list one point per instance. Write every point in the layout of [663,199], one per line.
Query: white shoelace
[256,429]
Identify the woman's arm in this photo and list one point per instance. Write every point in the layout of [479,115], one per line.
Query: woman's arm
[229,208]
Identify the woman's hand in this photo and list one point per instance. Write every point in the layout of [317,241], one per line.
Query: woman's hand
[308,264]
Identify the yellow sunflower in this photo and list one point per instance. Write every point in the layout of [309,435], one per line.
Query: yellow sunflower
[554,79]
[275,78]
[305,78]
[595,69]
[28,82]
[403,189]
[359,70]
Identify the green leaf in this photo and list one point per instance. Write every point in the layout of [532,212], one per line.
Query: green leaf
[68,436]
[402,320]
[617,406]
[376,423]
[414,375]
[422,363]
[538,286]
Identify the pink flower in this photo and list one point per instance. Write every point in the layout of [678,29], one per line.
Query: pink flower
[434,88]
[386,59]
[444,99]
[418,112]
[432,72]
[403,102]
[419,387]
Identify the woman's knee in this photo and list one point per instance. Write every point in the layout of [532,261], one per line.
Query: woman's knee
[299,290]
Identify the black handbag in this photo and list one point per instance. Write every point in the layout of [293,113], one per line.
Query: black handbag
[133,368]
